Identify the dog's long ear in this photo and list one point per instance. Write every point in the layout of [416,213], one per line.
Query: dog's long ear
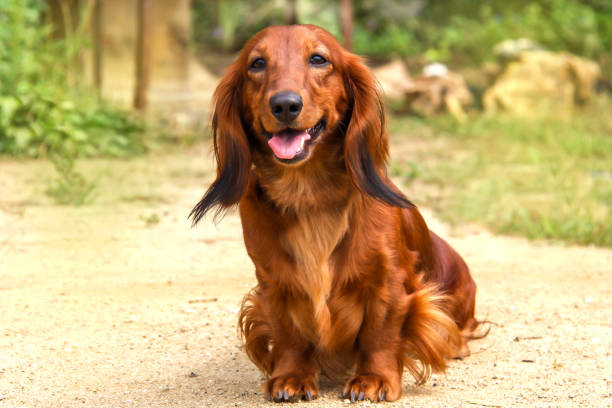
[232,151]
[366,147]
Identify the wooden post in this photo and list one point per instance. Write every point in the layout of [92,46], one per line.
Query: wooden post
[290,12]
[143,54]
[346,20]
[97,41]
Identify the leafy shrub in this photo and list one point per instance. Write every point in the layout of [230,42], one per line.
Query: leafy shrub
[557,24]
[42,110]
[465,31]
[227,25]
[457,31]
[71,187]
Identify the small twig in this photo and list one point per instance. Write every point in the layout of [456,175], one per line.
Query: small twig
[9,210]
[517,338]
[192,301]
[483,404]
[483,349]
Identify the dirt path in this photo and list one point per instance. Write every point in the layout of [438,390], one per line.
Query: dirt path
[99,309]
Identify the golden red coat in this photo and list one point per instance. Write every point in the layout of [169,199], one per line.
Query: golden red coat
[350,279]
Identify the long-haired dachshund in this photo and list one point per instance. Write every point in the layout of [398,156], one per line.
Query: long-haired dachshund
[350,279]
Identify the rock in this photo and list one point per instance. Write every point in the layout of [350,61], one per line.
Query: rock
[394,80]
[512,49]
[438,89]
[542,83]
[585,74]
[435,69]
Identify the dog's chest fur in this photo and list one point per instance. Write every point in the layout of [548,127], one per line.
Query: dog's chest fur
[311,241]
[316,227]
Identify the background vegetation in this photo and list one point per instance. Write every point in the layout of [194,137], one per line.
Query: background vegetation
[43,111]
[543,178]
[459,32]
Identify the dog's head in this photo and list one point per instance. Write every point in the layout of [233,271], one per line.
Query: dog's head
[292,89]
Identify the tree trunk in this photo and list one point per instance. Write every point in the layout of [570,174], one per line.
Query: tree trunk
[143,54]
[290,12]
[96,31]
[346,17]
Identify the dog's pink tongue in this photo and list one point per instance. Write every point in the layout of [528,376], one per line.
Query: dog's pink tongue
[285,145]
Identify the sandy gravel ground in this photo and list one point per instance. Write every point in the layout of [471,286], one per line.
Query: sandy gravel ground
[99,309]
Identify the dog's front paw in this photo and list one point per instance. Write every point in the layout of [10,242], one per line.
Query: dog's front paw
[292,387]
[370,386]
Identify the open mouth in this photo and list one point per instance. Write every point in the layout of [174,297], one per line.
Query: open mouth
[291,145]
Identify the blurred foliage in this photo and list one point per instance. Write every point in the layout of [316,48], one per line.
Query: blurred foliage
[461,32]
[468,33]
[42,109]
[71,187]
[225,25]
[546,178]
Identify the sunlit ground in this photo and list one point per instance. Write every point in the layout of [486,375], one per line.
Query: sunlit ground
[119,302]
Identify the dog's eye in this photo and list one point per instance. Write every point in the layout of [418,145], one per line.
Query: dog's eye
[316,59]
[258,64]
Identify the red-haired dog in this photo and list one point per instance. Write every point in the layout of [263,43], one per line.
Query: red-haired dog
[350,279]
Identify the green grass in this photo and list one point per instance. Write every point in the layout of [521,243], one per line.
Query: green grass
[546,178]
[70,187]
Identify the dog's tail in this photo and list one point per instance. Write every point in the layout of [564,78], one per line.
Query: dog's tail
[430,335]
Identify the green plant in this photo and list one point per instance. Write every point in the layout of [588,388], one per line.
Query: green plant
[42,110]
[468,36]
[150,220]
[71,187]
[392,40]
[542,178]
[459,32]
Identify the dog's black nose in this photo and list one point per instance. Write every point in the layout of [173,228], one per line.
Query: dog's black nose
[286,106]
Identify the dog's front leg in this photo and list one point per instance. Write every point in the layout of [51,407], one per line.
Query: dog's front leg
[379,369]
[294,374]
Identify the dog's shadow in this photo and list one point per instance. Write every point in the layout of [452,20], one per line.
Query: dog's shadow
[222,380]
